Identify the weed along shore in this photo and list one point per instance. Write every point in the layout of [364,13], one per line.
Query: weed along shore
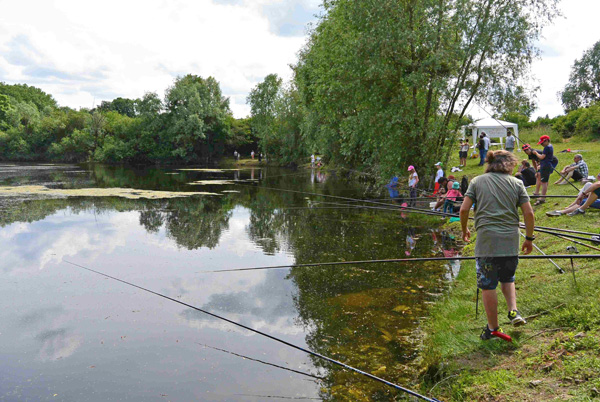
[556,355]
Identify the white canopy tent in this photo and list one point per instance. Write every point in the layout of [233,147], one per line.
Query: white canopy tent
[493,128]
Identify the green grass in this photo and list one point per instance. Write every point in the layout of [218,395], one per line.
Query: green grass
[560,348]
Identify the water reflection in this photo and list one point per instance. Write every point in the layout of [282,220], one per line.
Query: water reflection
[367,316]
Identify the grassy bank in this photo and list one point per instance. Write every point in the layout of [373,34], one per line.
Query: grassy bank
[556,356]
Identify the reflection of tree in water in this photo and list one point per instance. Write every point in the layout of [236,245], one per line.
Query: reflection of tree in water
[198,222]
[192,222]
[366,316]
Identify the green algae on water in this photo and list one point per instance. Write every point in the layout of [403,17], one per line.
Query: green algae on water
[96,192]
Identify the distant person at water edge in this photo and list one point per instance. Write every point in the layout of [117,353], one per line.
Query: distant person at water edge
[577,170]
[527,174]
[510,142]
[259,156]
[484,146]
[546,166]
[312,160]
[252,154]
[451,198]
[440,172]
[462,154]
[413,181]
[584,194]
[498,195]
[443,183]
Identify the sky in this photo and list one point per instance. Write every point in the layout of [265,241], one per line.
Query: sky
[84,52]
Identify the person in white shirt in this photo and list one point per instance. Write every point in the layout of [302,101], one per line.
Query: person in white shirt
[440,172]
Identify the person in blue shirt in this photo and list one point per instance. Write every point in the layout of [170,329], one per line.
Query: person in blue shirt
[546,166]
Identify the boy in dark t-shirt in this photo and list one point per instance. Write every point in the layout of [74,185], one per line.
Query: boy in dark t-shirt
[546,167]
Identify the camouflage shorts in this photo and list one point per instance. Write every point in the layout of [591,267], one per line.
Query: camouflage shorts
[491,270]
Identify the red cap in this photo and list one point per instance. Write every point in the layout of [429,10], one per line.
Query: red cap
[526,146]
[543,138]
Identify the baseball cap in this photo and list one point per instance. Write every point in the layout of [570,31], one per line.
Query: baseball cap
[438,164]
[456,186]
[411,167]
[543,138]
[451,177]
[526,146]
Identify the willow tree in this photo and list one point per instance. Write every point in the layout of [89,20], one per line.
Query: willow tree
[386,83]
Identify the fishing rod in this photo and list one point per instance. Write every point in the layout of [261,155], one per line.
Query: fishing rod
[577,242]
[256,331]
[392,207]
[396,260]
[566,230]
[261,361]
[569,235]
[562,271]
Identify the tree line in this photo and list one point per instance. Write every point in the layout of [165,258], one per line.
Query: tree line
[192,123]
[384,84]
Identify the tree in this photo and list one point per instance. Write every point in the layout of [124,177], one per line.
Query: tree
[383,81]
[583,87]
[197,117]
[124,106]
[4,108]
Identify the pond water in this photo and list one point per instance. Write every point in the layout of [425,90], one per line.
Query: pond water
[69,334]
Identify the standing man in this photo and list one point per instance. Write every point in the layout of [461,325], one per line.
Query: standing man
[413,180]
[546,166]
[510,142]
[483,149]
[498,195]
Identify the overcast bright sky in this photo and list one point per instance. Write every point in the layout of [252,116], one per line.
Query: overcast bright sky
[83,52]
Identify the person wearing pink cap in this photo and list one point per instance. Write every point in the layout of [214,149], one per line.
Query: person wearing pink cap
[546,165]
[413,180]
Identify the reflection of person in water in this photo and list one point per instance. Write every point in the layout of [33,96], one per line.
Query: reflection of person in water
[411,241]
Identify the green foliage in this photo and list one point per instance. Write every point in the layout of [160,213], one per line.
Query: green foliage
[196,116]
[381,82]
[124,106]
[4,109]
[276,120]
[584,121]
[23,93]
[583,87]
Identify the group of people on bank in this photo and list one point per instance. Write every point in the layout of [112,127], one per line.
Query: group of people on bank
[496,197]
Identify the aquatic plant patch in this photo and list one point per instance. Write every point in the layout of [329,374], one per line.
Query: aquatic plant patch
[96,192]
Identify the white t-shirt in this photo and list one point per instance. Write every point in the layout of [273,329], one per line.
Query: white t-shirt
[439,175]
[413,179]
[487,142]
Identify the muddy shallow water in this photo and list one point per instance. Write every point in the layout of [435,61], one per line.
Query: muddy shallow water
[68,334]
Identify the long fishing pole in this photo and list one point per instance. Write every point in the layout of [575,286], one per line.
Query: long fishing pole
[577,242]
[562,271]
[256,331]
[569,235]
[261,361]
[396,260]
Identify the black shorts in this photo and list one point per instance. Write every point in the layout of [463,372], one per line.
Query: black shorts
[545,172]
[462,154]
[491,270]
[576,175]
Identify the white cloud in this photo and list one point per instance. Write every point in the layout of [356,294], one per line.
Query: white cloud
[84,52]
[562,43]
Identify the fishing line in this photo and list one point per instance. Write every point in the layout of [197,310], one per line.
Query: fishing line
[395,260]
[256,331]
[261,361]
